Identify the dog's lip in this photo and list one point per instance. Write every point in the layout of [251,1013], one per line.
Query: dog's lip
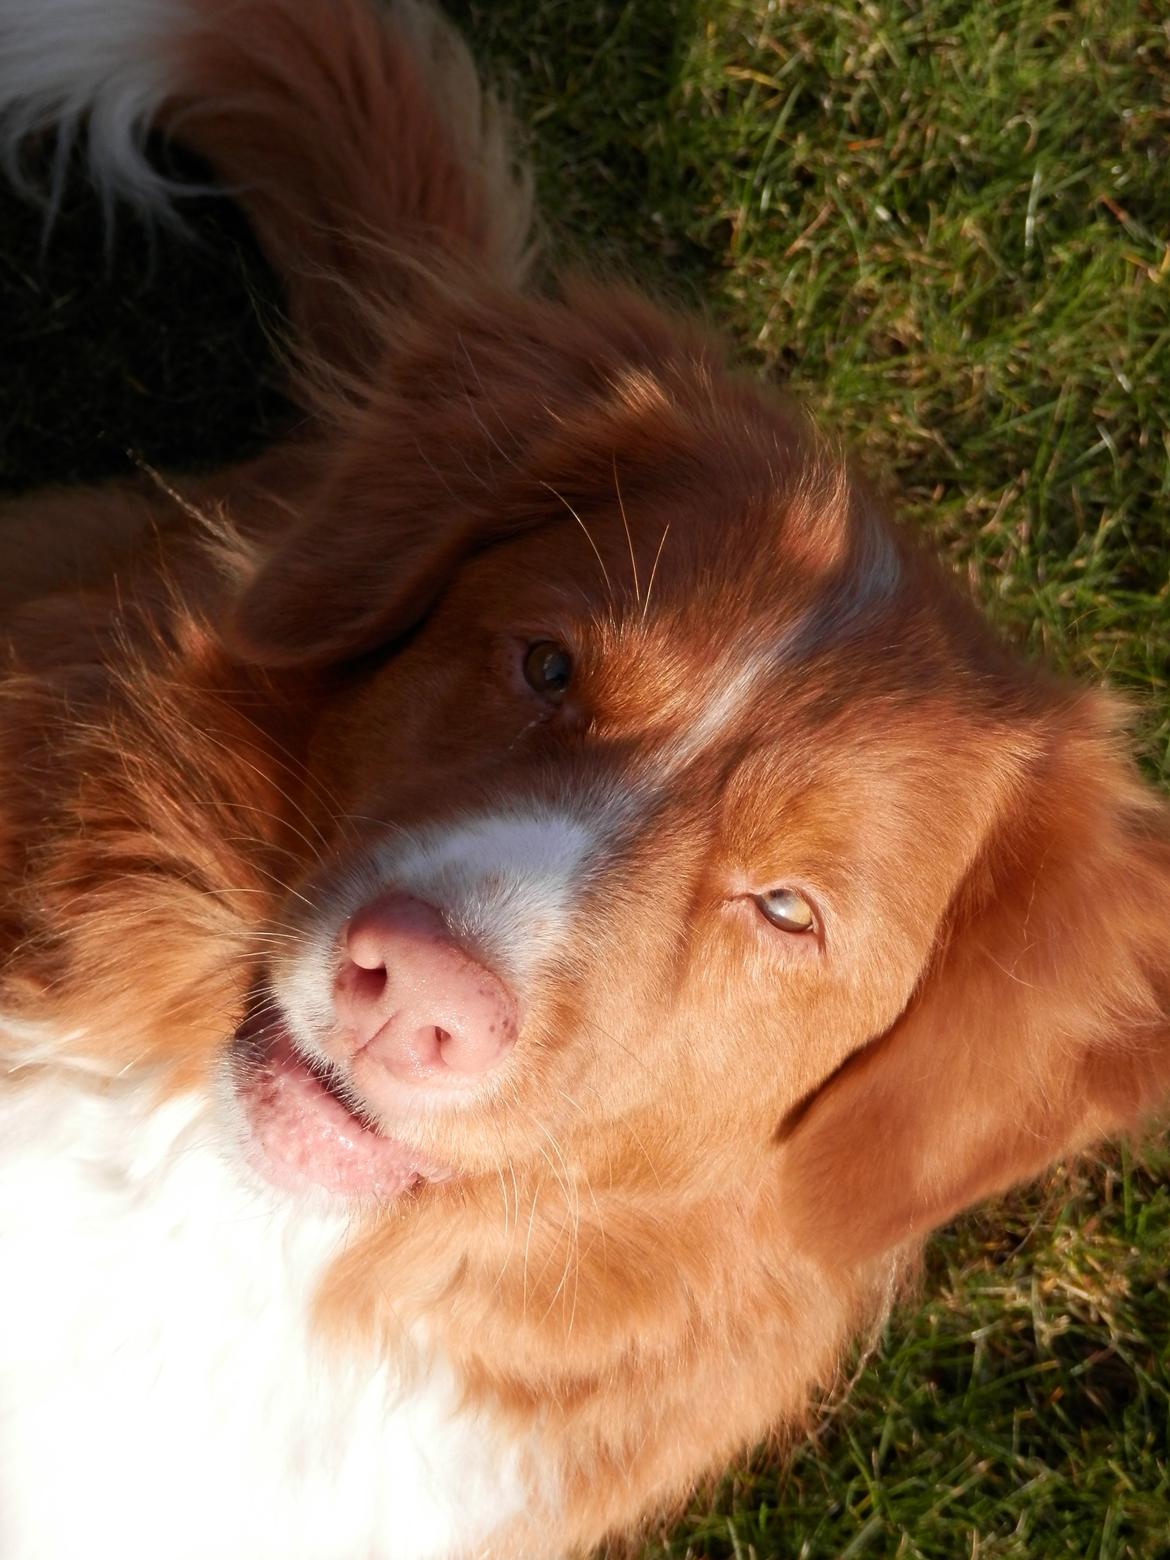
[301,1135]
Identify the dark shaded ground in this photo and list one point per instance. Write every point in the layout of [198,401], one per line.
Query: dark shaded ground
[130,340]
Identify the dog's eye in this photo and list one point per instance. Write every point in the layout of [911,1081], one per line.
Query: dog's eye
[787,909]
[548,668]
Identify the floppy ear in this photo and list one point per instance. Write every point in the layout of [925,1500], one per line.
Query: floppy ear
[1042,1025]
[359,574]
[467,435]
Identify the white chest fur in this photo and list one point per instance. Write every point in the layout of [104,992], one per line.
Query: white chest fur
[161,1392]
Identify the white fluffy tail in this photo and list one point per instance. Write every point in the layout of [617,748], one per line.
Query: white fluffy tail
[63,62]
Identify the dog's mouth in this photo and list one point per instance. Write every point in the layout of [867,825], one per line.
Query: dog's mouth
[304,1133]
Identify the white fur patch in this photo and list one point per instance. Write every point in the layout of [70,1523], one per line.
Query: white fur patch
[723,708]
[506,882]
[62,61]
[161,1392]
[866,587]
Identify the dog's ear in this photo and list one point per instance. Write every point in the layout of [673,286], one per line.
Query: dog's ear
[477,428]
[1042,1024]
[359,579]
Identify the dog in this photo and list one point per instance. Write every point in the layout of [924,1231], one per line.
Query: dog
[524,904]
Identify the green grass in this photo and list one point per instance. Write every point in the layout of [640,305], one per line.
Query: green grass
[948,226]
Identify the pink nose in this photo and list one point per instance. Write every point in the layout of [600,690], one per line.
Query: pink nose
[413,1002]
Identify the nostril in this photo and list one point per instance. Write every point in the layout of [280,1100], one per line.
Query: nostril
[359,987]
[369,984]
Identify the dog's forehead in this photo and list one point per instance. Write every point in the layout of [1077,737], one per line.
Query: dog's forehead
[766,604]
[869,688]
[738,630]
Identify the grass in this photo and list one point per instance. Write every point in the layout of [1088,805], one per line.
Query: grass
[947,224]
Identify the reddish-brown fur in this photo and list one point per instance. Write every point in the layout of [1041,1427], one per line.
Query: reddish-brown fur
[722,1149]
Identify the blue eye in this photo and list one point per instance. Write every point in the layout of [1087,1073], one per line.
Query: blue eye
[787,909]
[548,669]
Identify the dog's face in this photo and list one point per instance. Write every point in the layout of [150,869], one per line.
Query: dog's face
[696,863]
[693,807]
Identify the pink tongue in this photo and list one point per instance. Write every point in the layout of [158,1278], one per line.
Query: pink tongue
[302,1136]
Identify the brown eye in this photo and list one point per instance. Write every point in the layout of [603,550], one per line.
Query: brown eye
[547,669]
[788,910]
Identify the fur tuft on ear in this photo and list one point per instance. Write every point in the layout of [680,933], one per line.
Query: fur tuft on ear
[1042,1025]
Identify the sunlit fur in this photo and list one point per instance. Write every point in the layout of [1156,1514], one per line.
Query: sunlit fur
[717,1147]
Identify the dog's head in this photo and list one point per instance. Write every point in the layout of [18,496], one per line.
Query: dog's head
[692,809]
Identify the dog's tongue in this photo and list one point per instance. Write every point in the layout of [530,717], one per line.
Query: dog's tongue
[303,1136]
